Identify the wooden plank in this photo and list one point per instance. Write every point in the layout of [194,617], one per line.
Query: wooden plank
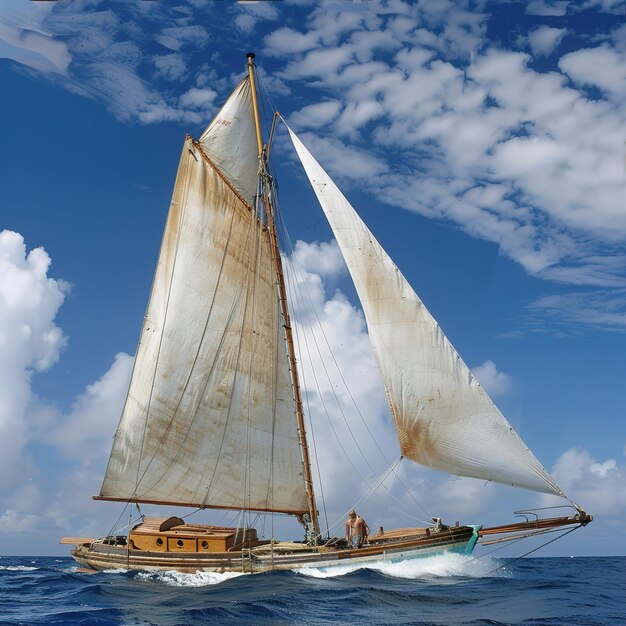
[76,540]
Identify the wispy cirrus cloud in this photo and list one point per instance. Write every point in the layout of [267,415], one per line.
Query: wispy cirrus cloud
[600,309]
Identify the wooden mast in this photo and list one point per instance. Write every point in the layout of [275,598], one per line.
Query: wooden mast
[313,525]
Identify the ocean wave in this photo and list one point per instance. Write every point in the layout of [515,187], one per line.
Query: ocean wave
[18,568]
[178,579]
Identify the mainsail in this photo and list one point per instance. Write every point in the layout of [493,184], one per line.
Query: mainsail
[443,417]
[209,418]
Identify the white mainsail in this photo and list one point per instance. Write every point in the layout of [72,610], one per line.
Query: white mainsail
[443,417]
[209,417]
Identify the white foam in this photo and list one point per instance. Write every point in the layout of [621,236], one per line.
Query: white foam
[18,568]
[178,579]
[440,566]
[115,570]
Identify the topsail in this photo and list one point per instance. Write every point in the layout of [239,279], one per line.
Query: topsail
[443,417]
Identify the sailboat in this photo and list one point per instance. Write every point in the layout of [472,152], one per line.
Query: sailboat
[214,414]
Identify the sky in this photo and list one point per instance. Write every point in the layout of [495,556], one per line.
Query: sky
[482,142]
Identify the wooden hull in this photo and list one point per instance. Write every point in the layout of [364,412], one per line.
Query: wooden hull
[100,556]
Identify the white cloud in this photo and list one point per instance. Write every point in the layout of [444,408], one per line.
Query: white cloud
[321,258]
[342,383]
[324,62]
[246,23]
[197,98]
[547,7]
[597,485]
[343,161]
[288,41]
[29,340]
[88,429]
[545,39]
[170,66]
[176,37]
[250,13]
[316,115]
[606,6]
[600,309]
[24,38]
[494,382]
[15,522]
[601,67]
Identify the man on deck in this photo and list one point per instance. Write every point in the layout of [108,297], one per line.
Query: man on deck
[356,530]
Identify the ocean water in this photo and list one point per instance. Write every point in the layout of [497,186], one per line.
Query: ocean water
[443,590]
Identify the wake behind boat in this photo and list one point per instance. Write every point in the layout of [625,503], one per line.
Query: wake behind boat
[214,414]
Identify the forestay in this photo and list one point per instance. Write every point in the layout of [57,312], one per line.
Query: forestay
[209,417]
[443,417]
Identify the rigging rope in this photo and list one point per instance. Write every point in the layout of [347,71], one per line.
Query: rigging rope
[543,545]
[297,286]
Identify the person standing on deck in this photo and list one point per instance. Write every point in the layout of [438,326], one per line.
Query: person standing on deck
[356,530]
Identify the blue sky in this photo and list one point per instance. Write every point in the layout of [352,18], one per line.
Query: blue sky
[482,142]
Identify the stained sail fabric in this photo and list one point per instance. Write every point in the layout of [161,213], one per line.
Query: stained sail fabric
[443,417]
[230,141]
[209,417]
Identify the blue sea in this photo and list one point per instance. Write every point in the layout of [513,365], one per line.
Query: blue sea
[443,590]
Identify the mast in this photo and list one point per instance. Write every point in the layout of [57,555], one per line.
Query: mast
[312,524]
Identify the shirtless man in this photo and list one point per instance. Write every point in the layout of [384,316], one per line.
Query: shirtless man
[356,530]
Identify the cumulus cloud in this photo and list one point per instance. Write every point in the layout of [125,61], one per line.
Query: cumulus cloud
[88,429]
[30,341]
[316,115]
[494,382]
[601,67]
[198,98]
[545,39]
[598,485]
[349,422]
[287,41]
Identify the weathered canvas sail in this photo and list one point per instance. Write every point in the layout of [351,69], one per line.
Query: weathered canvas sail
[443,417]
[209,418]
[230,141]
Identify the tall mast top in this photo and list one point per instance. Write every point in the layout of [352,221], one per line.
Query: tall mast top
[255,106]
